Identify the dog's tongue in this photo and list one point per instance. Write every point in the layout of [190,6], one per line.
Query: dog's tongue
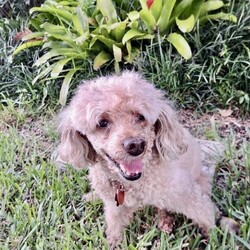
[133,166]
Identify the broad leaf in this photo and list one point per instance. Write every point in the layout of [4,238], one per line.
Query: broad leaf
[196,9]
[65,86]
[165,15]
[101,59]
[156,9]
[117,53]
[143,4]
[133,15]
[219,16]
[108,10]
[179,42]
[63,14]
[42,74]
[209,6]
[119,31]
[58,66]
[33,35]
[27,45]
[128,58]
[81,39]
[132,34]
[66,52]
[80,21]
[148,18]
[180,8]
[186,25]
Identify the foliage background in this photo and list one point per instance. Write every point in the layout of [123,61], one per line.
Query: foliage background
[41,207]
[217,75]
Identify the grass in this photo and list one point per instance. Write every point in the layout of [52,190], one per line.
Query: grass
[43,207]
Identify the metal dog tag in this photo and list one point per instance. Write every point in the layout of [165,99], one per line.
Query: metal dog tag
[119,195]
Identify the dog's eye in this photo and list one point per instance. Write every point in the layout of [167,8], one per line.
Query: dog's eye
[103,123]
[140,118]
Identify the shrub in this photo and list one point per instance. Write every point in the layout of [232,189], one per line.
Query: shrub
[218,74]
[12,8]
[102,31]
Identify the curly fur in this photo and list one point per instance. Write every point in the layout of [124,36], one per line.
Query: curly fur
[172,177]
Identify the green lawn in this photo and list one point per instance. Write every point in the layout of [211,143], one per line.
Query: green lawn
[42,207]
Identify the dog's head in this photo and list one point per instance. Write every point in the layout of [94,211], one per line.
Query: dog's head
[119,120]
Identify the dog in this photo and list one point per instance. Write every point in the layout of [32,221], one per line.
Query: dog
[138,154]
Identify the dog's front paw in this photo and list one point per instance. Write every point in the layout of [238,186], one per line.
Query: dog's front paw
[230,224]
[113,238]
[166,221]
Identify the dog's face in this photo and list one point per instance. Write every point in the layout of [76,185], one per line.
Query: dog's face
[118,120]
[122,138]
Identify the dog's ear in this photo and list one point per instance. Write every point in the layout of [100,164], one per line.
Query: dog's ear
[169,140]
[74,148]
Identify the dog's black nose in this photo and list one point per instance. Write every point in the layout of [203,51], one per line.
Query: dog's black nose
[134,146]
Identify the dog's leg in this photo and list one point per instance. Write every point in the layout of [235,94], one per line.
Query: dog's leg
[117,218]
[199,207]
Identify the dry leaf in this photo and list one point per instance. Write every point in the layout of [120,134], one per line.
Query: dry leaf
[225,112]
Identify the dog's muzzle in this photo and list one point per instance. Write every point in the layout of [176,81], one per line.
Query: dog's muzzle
[129,170]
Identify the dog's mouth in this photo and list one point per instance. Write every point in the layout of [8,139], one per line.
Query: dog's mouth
[131,171]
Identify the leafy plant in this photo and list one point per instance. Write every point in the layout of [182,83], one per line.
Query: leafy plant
[102,31]
[12,8]
[162,15]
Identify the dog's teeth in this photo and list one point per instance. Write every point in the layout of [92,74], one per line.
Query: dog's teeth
[137,172]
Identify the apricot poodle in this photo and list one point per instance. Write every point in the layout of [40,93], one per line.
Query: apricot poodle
[138,154]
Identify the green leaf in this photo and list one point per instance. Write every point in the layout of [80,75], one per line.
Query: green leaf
[46,57]
[119,31]
[156,9]
[209,6]
[65,86]
[148,18]
[108,10]
[196,8]
[167,9]
[101,59]
[27,45]
[58,66]
[128,58]
[56,44]
[182,46]
[218,16]
[117,53]
[108,42]
[66,52]
[80,21]
[143,4]
[53,29]
[42,74]
[181,7]
[58,32]
[117,67]
[81,39]
[132,34]
[133,15]
[33,35]
[36,22]
[61,13]
[186,25]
